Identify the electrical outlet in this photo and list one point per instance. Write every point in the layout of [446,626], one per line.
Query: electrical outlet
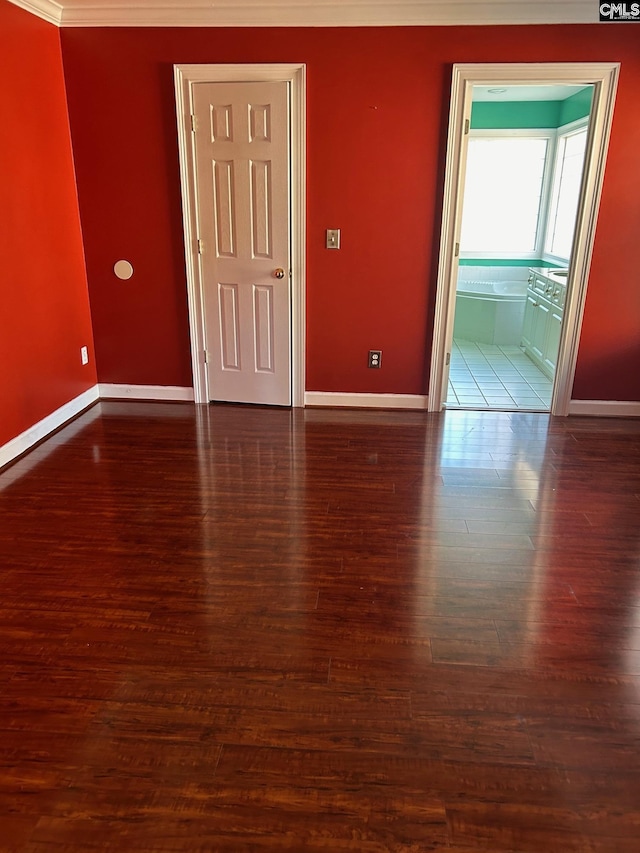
[84,355]
[375,357]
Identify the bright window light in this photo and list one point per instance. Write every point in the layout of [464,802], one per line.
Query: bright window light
[502,195]
[565,193]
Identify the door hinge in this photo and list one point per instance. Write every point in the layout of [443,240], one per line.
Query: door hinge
[193,123]
[456,251]
[200,247]
[466,126]
[206,357]
[448,359]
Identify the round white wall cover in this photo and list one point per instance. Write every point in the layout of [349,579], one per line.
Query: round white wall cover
[123,269]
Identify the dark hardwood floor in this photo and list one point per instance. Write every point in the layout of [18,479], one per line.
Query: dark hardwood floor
[239,629]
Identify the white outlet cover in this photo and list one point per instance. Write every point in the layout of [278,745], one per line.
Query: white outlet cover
[123,269]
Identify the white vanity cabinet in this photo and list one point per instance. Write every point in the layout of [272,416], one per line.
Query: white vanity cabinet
[546,293]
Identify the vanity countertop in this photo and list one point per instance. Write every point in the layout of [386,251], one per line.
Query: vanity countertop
[557,276]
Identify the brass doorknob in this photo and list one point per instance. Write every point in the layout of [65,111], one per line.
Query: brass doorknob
[279,273]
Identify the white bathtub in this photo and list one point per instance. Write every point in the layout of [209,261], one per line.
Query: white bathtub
[516,290]
[490,312]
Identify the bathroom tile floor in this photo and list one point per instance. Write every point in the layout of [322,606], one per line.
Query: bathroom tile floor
[485,376]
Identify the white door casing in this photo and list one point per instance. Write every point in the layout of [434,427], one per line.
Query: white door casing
[604,77]
[242,200]
[243,221]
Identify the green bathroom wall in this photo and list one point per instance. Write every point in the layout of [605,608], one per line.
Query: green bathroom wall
[514,114]
[505,262]
[530,114]
[576,107]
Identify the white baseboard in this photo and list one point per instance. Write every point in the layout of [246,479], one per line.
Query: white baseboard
[21,443]
[605,408]
[366,401]
[595,408]
[145,392]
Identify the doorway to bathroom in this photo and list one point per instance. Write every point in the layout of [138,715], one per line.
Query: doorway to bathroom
[525,158]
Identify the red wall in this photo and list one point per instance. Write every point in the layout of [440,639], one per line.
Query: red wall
[377,116]
[45,316]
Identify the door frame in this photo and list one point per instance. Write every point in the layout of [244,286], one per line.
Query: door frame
[604,77]
[295,75]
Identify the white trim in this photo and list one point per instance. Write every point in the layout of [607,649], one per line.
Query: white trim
[600,121]
[572,126]
[454,177]
[45,9]
[23,442]
[298,235]
[12,473]
[145,392]
[321,13]
[604,76]
[605,408]
[366,401]
[294,74]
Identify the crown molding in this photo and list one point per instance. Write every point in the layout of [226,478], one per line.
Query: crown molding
[45,9]
[308,13]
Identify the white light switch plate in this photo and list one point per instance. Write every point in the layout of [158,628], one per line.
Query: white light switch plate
[333,238]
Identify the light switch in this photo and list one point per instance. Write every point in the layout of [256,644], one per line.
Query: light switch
[333,238]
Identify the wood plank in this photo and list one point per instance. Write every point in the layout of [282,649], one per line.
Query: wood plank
[252,629]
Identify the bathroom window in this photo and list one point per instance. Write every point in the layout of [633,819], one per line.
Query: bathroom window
[503,195]
[565,194]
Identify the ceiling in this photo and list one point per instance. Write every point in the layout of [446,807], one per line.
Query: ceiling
[314,13]
[553,92]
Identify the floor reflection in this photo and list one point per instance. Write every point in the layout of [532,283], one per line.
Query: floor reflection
[364,629]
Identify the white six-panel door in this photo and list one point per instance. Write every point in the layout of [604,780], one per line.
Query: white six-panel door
[241,149]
